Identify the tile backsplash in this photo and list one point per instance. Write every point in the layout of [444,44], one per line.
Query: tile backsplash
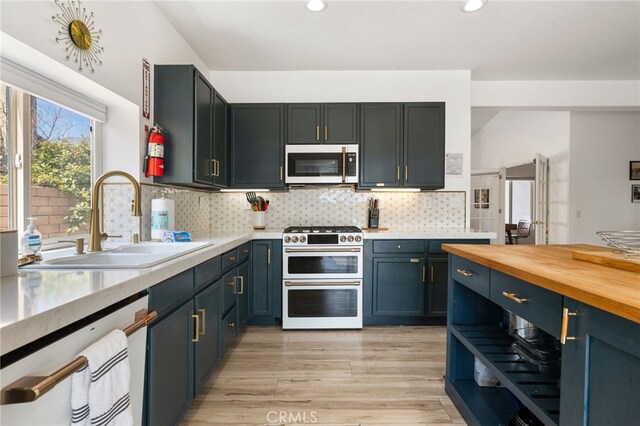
[202,213]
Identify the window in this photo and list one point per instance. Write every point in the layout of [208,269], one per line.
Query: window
[45,165]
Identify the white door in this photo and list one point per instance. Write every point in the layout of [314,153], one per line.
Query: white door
[486,205]
[541,200]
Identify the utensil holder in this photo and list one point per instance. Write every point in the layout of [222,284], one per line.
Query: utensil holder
[259,220]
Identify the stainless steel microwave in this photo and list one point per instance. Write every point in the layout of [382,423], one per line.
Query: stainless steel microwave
[321,164]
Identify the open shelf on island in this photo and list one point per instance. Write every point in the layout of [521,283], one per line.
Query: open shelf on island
[492,345]
[488,406]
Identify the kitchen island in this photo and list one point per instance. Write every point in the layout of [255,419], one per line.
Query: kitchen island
[593,310]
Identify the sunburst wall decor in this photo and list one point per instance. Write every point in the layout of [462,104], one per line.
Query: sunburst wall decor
[79,34]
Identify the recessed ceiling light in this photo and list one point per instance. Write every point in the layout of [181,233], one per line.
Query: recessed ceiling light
[316,5]
[473,5]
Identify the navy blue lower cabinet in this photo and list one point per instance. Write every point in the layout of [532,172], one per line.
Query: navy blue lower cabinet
[600,368]
[242,292]
[398,285]
[436,294]
[169,378]
[206,346]
[265,295]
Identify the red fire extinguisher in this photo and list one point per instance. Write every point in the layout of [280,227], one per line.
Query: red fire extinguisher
[154,160]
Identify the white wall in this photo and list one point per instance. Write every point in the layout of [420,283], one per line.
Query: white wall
[132,30]
[602,144]
[451,87]
[514,137]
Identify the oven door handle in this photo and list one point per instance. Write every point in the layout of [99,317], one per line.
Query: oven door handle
[321,283]
[323,250]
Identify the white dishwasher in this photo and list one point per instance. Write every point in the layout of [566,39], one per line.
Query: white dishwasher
[54,407]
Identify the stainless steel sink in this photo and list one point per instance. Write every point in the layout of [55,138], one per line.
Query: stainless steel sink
[134,256]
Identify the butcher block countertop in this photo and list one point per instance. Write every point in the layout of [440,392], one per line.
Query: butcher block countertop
[552,267]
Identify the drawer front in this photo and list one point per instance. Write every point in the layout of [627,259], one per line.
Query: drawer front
[537,305]
[435,246]
[471,274]
[229,329]
[171,292]
[398,246]
[229,258]
[244,251]
[229,283]
[208,271]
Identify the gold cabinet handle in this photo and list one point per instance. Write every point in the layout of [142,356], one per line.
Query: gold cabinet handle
[406,173]
[464,273]
[281,172]
[268,256]
[424,274]
[398,246]
[433,274]
[231,324]
[414,260]
[213,167]
[326,133]
[196,339]
[218,168]
[398,173]
[317,133]
[241,284]
[204,313]
[512,296]
[245,251]
[232,258]
[565,325]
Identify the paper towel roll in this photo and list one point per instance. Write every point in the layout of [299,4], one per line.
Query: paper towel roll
[162,217]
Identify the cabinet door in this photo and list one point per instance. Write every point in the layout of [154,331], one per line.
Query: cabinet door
[202,169]
[600,369]
[206,348]
[242,291]
[170,367]
[340,123]
[266,282]
[398,286]
[257,146]
[220,120]
[380,145]
[436,295]
[424,126]
[303,123]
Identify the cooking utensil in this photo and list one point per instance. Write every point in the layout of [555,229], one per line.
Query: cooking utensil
[266,205]
[251,197]
[260,202]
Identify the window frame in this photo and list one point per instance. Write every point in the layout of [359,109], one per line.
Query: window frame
[19,142]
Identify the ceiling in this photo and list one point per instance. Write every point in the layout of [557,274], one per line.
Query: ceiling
[506,40]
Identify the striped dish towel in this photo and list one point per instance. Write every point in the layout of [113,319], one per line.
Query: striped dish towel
[100,391]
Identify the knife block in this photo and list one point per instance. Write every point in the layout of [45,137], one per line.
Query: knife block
[374,216]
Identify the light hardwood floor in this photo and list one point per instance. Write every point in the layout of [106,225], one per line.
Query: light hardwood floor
[377,375]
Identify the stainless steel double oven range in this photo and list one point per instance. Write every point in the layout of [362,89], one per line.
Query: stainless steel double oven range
[322,277]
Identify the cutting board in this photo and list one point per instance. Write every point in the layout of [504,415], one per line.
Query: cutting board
[608,258]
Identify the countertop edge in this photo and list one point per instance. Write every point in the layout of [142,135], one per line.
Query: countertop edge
[619,309]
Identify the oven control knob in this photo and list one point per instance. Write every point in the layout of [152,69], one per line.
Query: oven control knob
[358,238]
[287,239]
[343,238]
[350,238]
[303,239]
[294,239]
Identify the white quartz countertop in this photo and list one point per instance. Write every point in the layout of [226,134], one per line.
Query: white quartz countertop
[35,303]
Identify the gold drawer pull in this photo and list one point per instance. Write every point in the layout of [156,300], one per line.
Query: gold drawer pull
[231,324]
[465,273]
[565,325]
[204,313]
[512,296]
[197,329]
[232,258]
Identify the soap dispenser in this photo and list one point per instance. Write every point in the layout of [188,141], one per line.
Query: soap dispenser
[31,241]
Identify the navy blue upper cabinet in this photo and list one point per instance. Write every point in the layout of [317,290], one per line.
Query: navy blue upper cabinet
[424,145]
[220,141]
[303,123]
[257,145]
[322,123]
[402,145]
[184,106]
[380,145]
[600,368]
